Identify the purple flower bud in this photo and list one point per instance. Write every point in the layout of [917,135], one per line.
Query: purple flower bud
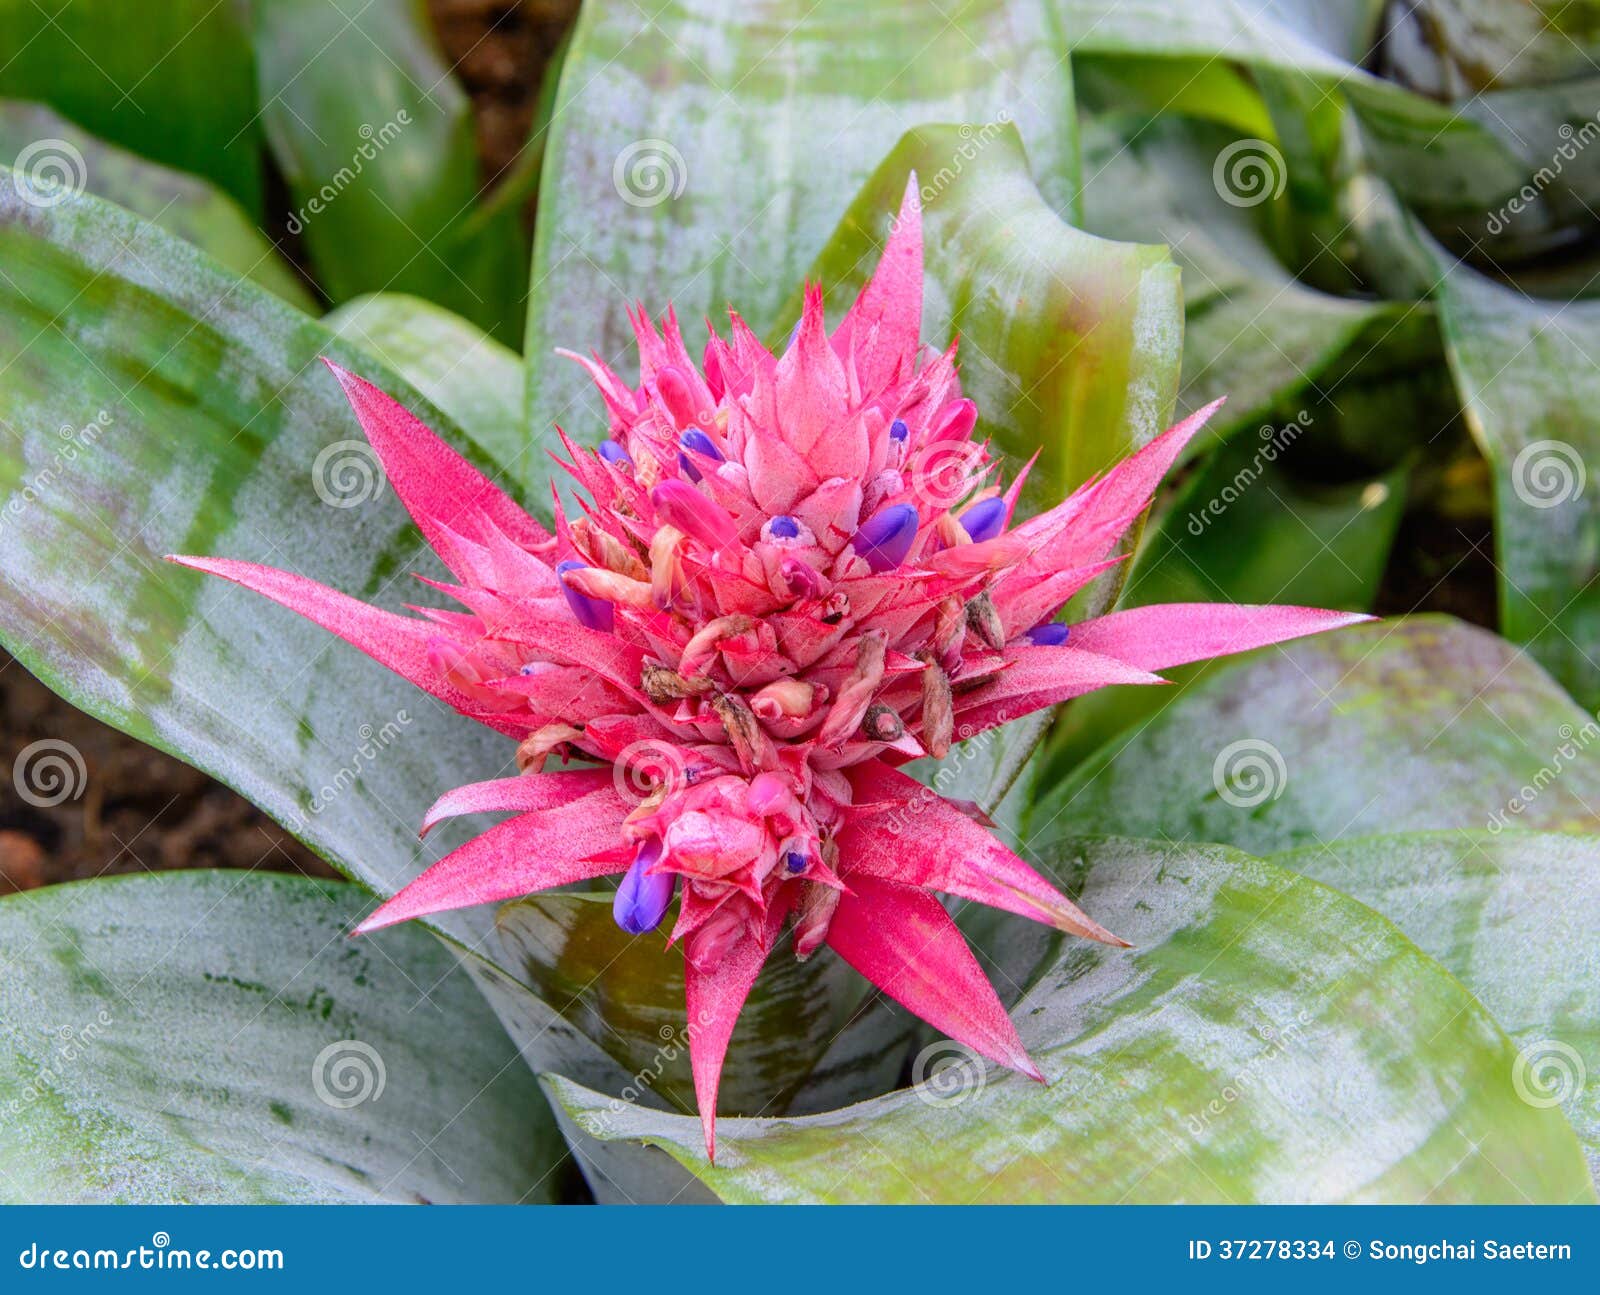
[595,613]
[885,538]
[611,452]
[985,519]
[784,527]
[642,898]
[693,439]
[1050,634]
[794,862]
[898,431]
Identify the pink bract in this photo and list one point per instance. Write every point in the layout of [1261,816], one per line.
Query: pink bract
[792,574]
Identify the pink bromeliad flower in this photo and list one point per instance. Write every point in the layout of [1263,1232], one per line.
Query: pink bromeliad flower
[793,574]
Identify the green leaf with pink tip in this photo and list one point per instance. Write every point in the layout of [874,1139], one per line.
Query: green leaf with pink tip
[1261,1023]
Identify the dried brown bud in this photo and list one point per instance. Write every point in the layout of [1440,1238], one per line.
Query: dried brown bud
[938,710]
[882,724]
[662,685]
[817,906]
[985,621]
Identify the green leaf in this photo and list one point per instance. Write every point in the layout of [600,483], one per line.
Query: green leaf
[1070,344]
[1410,725]
[1441,157]
[1260,1024]
[1272,345]
[1516,916]
[180,203]
[461,369]
[174,82]
[191,414]
[215,1037]
[696,180]
[1528,376]
[375,140]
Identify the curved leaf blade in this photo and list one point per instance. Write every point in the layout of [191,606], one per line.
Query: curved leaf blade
[214,1037]
[375,140]
[1410,725]
[179,203]
[174,82]
[696,180]
[1260,1024]
[1516,916]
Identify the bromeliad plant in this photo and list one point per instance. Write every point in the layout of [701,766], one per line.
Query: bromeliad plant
[792,574]
[780,655]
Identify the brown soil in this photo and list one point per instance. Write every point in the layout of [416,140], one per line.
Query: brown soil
[137,809]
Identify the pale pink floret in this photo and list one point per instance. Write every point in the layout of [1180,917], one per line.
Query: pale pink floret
[768,603]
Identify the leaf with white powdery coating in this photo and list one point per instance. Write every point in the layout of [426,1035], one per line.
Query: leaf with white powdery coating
[1260,1024]
[215,1037]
